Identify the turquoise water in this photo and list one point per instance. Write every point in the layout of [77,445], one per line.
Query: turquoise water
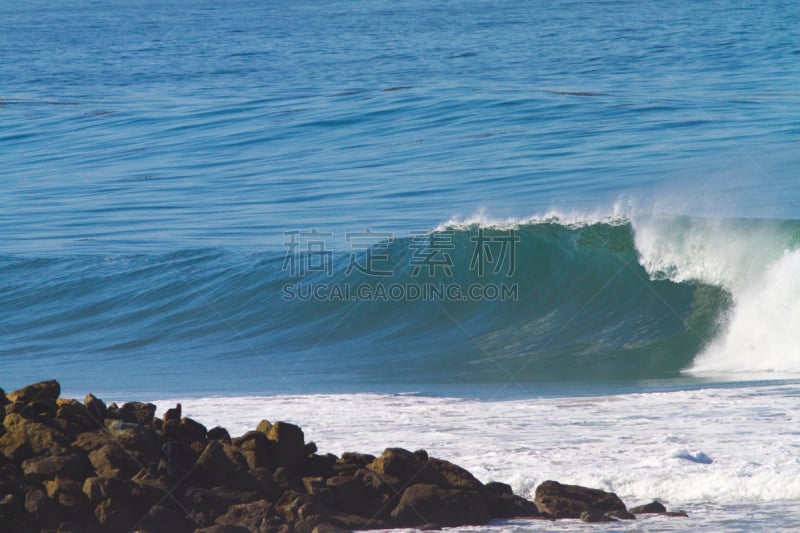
[157,157]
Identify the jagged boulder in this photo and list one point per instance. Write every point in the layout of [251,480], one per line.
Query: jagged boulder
[570,501]
[112,460]
[68,463]
[25,438]
[288,447]
[408,467]
[138,413]
[44,390]
[503,503]
[423,504]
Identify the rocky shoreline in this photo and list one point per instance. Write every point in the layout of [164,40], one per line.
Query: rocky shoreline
[67,466]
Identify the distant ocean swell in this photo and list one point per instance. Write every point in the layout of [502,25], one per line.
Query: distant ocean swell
[471,302]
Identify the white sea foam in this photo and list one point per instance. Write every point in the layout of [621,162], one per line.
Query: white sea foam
[755,262]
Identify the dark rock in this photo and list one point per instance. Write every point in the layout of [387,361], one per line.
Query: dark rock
[310,449]
[679,514]
[423,504]
[593,516]
[286,479]
[503,503]
[330,528]
[44,510]
[652,507]
[224,528]
[97,489]
[71,527]
[219,433]
[173,414]
[319,466]
[41,410]
[255,447]
[138,413]
[192,431]
[115,515]
[352,495]
[219,499]
[569,501]
[60,463]
[296,506]
[68,495]
[160,518]
[349,522]
[44,390]
[3,398]
[112,460]
[133,437]
[253,516]
[289,444]
[96,408]
[408,468]
[357,459]
[218,463]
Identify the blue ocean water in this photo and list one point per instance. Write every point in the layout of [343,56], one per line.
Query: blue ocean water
[192,188]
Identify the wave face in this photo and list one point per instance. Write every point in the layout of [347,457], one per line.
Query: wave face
[608,299]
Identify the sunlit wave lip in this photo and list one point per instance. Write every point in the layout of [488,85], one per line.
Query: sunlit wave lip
[616,216]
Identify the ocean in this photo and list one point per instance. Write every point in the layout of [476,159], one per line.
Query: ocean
[552,240]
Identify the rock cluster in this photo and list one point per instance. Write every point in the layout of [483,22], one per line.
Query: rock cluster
[67,466]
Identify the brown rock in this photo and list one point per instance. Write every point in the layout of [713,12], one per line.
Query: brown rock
[289,444]
[408,468]
[569,501]
[25,438]
[92,440]
[76,417]
[60,463]
[423,504]
[44,390]
[112,460]
[96,408]
[264,427]
[456,476]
